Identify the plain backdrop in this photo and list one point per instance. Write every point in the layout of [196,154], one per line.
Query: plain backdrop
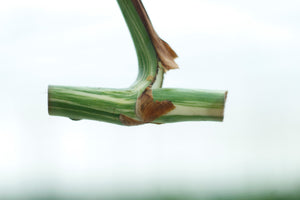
[250,48]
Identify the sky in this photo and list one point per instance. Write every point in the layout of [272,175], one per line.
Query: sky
[250,48]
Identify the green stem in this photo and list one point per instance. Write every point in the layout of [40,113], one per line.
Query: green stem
[191,104]
[107,105]
[144,101]
[147,59]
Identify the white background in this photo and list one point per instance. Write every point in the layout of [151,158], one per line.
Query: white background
[250,48]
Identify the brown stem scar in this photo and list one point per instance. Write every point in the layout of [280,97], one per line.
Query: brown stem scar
[150,78]
[148,110]
[129,121]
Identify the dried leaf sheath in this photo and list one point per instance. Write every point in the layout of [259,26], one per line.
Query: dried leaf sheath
[164,52]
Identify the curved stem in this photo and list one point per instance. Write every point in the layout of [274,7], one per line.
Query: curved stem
[144,101]
[147,58]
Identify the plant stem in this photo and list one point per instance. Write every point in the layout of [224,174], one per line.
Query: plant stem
[144,101]
[147,59]
[107,105]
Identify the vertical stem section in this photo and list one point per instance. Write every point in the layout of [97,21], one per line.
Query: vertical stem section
[147,59]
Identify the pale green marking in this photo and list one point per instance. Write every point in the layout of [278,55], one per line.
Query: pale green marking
[197,111]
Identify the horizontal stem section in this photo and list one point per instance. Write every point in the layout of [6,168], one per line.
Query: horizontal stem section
[192,104]
[104,104]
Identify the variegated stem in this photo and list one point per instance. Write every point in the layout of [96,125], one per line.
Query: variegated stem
[146,54]
[144,101]
[110,105]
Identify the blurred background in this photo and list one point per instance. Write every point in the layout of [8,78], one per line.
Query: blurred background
[250,48]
